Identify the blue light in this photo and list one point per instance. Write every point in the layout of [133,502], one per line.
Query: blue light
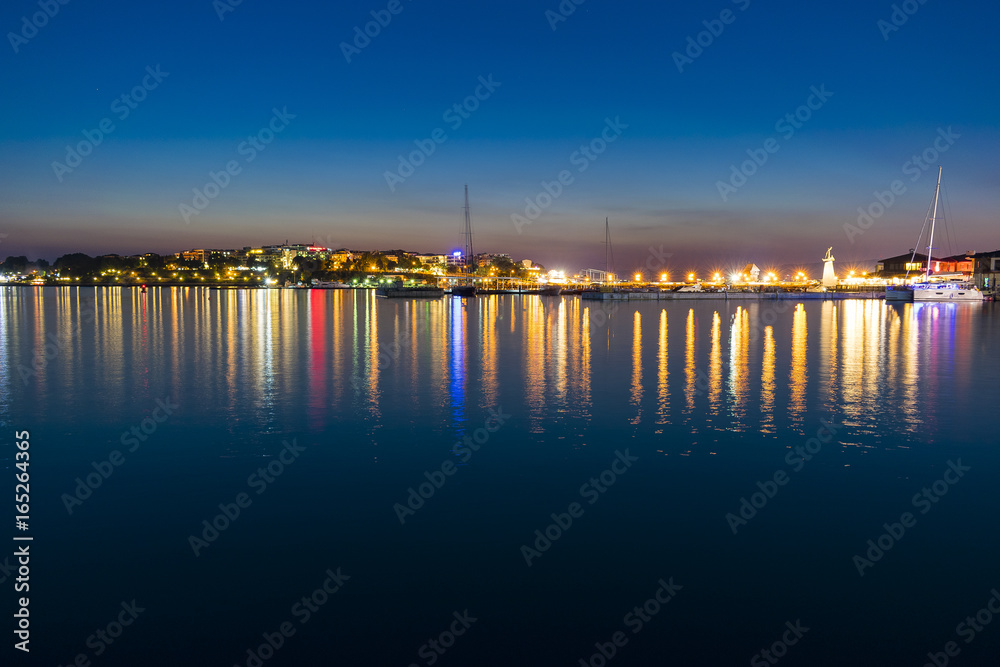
[457,253]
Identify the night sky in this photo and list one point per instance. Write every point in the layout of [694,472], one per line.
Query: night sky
[554,83]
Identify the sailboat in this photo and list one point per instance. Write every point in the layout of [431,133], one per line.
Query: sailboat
[942,289]
[468,288]
[597,291]
[928,288]
[609,266]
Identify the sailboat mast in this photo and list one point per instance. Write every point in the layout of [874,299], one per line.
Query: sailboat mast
[607,246]
[930,241]
[468,233]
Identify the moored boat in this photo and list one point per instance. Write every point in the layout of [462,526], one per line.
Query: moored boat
[417,292]
[463,291]
[899,293]
[929,289]
[947,291]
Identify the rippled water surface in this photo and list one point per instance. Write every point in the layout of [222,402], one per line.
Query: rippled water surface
[333,411]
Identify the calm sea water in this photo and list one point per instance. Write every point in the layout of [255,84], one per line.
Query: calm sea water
[641,426]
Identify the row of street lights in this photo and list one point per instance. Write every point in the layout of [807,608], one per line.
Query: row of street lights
[734,278]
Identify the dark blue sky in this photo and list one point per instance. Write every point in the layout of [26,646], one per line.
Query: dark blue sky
[323,178]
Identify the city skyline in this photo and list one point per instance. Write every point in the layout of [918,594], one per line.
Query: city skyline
[304,135]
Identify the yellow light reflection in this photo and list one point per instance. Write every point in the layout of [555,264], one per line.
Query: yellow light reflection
[636,399]
[767,383]
[798,375]
[663,375]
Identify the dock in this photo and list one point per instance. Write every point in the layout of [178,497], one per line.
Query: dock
[730,296]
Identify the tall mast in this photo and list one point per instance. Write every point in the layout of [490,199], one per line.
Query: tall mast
[468,232]
[609,253]
[930,241]
[607,245]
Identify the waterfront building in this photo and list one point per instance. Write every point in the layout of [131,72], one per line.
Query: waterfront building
[488,257]
[751,273]
[986,270]
[901,265]
[594,275]
[204,255]
[339,257]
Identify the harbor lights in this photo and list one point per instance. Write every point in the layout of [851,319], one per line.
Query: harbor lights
[690,277]
[717,278]
[638,277]
[663,277]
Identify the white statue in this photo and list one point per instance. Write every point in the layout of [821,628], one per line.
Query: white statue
[829,277]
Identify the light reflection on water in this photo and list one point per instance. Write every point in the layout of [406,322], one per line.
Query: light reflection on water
[269,358]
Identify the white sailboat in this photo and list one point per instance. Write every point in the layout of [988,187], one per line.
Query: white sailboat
[468,287]
[947,291]
[943,288]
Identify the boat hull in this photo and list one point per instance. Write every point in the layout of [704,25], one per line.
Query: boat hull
[410,292]
[463,290]
[899,294]
[948,294]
